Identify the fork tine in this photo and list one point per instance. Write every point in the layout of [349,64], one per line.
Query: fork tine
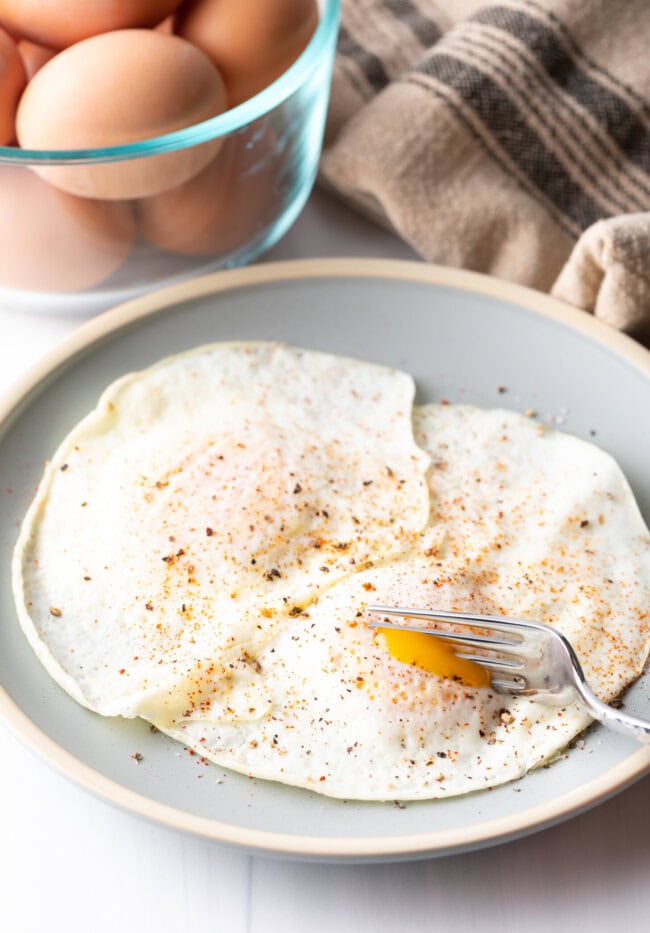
[498,624]
[455,638]
[511,686]
[493,664]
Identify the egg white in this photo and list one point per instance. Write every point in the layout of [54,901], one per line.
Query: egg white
[198,506]
[204,544]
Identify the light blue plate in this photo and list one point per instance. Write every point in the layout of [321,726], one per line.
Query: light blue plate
[461,336]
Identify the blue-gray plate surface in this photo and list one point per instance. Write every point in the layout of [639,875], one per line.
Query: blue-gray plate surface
[461,336]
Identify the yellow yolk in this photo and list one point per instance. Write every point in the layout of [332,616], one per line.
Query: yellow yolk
[434,655]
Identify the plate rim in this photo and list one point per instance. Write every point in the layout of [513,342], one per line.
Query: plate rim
[440,842]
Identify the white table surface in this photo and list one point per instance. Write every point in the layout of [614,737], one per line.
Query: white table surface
[69,862]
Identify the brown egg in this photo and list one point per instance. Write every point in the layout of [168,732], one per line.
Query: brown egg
[34,56]
[52,241]
[232,200]
[117,88]
[251,43]
[12,81]
[59,23]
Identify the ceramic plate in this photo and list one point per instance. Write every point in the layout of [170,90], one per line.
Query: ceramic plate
[462,336]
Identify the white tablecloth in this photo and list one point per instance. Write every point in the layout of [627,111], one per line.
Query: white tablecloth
[71,863]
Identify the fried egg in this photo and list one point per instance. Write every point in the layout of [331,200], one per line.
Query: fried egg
[204,545]
[524,522]
[203,503]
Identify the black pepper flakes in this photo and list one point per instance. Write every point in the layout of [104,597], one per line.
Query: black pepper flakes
[252,662]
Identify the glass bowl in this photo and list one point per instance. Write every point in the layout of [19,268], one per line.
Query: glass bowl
[234,185]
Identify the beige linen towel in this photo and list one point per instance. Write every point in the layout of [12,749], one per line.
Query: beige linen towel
[511,138]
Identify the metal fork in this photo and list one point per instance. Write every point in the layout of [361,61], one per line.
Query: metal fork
[523,659]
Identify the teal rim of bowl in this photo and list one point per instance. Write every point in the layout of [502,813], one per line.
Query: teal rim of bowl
[221,125]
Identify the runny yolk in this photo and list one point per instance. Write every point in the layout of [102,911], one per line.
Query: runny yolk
[434,655]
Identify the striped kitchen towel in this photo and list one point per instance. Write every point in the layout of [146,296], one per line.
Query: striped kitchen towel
[511,138]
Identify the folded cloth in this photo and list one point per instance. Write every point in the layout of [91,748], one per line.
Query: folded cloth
[511,138]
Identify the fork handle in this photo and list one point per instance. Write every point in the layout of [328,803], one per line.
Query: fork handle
[614,718]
